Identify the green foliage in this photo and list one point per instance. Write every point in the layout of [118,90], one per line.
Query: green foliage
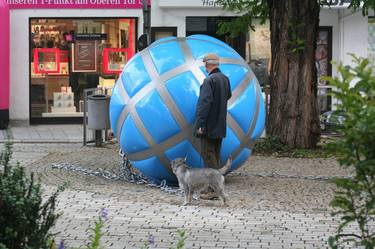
[250,9]
[354,201]
[269,145]
[6,154]
[97,232]
[272,146]
[260,9]
[365,5]
[182,237]
[25,220]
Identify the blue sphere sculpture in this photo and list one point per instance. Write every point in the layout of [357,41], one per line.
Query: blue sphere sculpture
[152,108]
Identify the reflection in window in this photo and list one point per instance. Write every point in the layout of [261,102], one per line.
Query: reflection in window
[69,55]
[259,51]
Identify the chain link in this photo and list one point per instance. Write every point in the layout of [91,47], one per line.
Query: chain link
[299,177]
[126,173]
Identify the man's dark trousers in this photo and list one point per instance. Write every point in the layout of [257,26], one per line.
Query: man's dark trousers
[211,152]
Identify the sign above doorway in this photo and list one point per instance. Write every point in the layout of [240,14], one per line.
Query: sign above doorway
[74,4]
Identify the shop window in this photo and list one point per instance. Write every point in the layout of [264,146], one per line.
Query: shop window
[162,32]
[258,51]
[69,55]
[323,57]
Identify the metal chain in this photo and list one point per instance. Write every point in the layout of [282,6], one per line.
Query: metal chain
[299,177]
[126,174]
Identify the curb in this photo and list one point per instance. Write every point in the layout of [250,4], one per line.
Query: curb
[41,141]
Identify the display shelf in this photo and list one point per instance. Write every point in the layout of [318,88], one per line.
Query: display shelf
[61,114]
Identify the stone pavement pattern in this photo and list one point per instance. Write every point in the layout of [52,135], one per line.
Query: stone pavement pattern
[263,212]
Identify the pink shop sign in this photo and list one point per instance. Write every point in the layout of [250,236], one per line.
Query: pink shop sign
[74,4]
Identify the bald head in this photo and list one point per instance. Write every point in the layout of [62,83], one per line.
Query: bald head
[211,58]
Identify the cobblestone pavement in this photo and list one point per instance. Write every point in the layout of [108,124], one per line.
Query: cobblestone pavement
[273,202]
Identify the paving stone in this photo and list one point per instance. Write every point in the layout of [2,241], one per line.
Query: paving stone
[263,212]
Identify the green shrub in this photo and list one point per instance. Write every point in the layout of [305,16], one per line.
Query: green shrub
[269,145]
[354,201]
[25,220]
[272,146]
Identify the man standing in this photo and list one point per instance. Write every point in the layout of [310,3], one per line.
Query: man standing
[211,114]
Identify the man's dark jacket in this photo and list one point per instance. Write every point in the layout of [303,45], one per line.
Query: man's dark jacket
[211,113]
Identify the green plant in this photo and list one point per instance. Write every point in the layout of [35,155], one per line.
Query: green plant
[97,231]
[354,201]
[273,146]
[25,220]
[269,145]
[181,241]
[182,236]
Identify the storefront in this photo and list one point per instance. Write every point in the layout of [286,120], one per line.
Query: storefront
[341,32]
[69,55]
[57,50]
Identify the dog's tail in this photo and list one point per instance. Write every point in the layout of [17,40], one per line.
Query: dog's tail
[225,169]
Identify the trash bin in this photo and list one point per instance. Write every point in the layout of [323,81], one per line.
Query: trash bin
[98,115]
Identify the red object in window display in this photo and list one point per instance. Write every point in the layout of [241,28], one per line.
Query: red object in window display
[111,64]
[50,55]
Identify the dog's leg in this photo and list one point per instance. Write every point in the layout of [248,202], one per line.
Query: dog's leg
[220,192]
[187,192]
[190,195]
[224,197]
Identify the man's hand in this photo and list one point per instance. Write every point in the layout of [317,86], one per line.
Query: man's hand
[200,132]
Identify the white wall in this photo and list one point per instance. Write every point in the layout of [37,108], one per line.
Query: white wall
[19,49]
[354,35]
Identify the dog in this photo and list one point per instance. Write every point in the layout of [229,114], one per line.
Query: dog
[194,179]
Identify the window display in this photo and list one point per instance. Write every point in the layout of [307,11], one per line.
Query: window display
[323,56]
[114,60]
[46,60]
[69,55]
[84,56]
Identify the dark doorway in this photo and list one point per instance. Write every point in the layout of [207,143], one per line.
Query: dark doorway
[209,26]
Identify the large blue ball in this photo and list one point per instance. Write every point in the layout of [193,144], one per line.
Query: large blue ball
[153,104]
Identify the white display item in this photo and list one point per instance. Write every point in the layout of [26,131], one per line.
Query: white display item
[63,109]
[57,96]
[58,103]
[63,103]
[67,96]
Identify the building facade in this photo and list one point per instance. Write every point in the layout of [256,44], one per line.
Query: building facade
[55,53]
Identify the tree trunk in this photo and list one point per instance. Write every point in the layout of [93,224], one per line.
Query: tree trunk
[294,113]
